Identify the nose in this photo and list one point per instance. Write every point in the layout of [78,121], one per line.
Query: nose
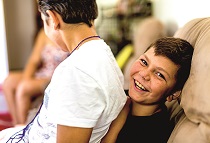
[145,74]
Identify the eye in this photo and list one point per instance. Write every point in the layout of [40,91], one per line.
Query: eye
[160,75]
[143,62]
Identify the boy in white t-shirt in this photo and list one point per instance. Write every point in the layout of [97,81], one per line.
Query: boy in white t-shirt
[86,90]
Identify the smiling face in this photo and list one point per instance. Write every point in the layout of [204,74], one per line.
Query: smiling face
[152,77]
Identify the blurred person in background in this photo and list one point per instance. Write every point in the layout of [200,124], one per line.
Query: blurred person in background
[21,87]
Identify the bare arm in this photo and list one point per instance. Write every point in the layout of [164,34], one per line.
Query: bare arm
[66,134]
[117,125]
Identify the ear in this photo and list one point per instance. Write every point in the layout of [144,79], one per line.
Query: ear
[174,96]
[54,18]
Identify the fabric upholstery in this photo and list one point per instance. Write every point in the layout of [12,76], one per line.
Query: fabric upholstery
[193,125]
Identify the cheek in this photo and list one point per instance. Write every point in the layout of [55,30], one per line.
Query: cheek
[45,30]
[134,68]
[157,86]
[160,88]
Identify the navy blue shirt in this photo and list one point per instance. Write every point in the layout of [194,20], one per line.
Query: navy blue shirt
[146,129]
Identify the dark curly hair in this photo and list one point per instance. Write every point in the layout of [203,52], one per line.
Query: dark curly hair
[180,52]
[71,11]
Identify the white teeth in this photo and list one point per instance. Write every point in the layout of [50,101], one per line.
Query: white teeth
[139,86]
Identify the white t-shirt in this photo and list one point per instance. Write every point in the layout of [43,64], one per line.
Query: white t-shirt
[86,90]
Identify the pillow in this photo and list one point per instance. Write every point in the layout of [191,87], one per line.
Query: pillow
[195,99]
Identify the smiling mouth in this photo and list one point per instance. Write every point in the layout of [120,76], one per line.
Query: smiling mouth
[140,86]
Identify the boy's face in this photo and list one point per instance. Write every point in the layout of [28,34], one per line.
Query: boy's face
[151,78]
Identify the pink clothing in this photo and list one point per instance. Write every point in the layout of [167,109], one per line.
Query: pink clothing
[51,58]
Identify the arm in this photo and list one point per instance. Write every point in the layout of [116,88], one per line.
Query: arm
[35,58]
[117,124]
[66,134]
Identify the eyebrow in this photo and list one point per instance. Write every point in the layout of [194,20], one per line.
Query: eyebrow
[159,68]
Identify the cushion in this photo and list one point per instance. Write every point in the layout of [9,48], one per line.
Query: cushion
[195,99]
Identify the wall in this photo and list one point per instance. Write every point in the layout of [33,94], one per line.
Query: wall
[3,46]
[20,29]
[175,13]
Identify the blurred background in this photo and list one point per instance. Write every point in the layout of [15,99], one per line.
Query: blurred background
[116,17]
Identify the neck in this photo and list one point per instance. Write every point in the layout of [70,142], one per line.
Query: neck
[144,110]
[74,35]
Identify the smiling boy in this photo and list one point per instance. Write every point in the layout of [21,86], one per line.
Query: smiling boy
[156,76]
[85,93]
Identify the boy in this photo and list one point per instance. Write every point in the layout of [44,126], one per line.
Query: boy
[86,90]
[158,75]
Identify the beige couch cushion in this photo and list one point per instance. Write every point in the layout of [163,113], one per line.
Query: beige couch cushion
[194,125]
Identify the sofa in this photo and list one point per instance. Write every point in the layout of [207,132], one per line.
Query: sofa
[191,114]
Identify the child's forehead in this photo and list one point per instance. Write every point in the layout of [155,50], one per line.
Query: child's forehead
[150,54]
[161,62]
[152,51]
